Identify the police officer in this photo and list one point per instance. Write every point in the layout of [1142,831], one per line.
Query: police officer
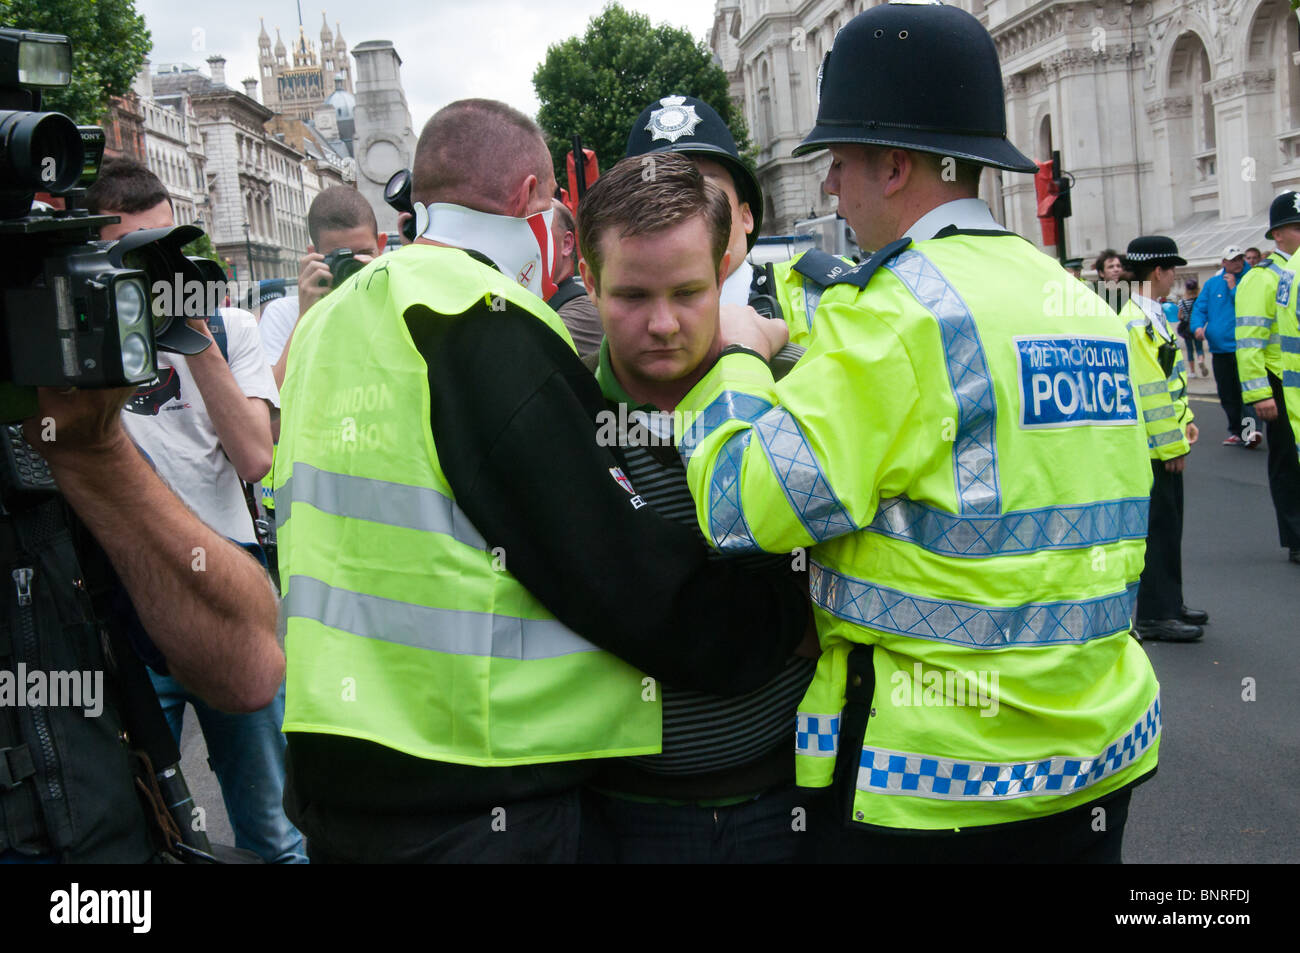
[1160,380]
[1259,360]
[968,471]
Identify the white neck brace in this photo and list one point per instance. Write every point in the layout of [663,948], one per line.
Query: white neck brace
[520,247]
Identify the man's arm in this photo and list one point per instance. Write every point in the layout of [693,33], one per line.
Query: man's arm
[242,423]
[207,605]
[1256,323]
[513,413]
[1201,309]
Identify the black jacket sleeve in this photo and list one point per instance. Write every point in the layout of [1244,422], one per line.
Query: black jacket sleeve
[514,417]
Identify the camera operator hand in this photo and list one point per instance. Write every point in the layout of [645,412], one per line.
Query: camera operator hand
[314,280]
[208,605]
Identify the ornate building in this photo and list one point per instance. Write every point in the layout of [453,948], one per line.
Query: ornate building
[296,88]
[1174,116]
[174,149]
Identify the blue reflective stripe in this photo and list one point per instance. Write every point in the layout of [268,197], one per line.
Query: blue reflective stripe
[1136,323]
[1272,266]
[1168,437]
[1022,531]
[729,405]
[1159,413]
[812,296]
[805,484]
[1291,378]
[881,771]
[727,523]
[1253,321]
[817,736]
[1252,342]
[975,469]
[964,624]
[1290,344]
[1255,383]
[1155,387]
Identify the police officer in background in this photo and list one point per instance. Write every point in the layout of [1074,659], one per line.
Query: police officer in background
[968,470]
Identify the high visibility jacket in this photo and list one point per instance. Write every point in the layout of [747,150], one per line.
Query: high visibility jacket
[1258,350]
[1163,397]
[402,627]
[971,476]
[797,286]
[1288,329]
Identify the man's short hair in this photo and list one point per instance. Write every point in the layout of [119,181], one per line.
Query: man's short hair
[1100,264]
[1252,248]
[565,218]
[339,208]
[125,185]
[474,153]
[645,194]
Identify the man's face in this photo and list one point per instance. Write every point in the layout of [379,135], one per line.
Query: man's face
[1287,238]
[1252,258]
[1233,266]
[742,217]
[1111,269]
[1162,280]
[857,182]
[563,240]
[160,216]
[658,301]
[362,240]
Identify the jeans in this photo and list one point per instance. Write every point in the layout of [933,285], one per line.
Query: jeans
[1229,385]
[247,754]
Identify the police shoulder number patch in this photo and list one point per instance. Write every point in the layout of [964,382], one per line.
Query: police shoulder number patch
[1070,381]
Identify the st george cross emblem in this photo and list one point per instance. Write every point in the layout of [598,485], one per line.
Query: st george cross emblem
[674,120]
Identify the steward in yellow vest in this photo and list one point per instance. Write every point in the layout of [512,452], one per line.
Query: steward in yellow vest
[450,523]
[969,475]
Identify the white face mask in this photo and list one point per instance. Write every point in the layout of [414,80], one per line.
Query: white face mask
[520,247]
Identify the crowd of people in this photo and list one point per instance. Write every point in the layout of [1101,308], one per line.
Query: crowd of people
[861,572]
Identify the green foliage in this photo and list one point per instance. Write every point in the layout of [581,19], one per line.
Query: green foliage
[597,84]
[202,247]
[109,44]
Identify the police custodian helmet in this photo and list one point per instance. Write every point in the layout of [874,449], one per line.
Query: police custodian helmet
[919,76]
[691,126]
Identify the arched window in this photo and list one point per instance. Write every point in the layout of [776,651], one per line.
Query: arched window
[1189,84]
[1045,139]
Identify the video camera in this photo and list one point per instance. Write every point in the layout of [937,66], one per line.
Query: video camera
[74,311]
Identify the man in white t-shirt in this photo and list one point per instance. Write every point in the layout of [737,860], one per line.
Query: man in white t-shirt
[205,423]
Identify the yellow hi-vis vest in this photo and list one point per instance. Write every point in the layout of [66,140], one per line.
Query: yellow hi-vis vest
[970,471]
[798,285]
[403,628]
[1258,341]
[1288,330]
[1165,409]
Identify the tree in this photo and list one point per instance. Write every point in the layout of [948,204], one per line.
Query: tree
[597,84]
[109,44]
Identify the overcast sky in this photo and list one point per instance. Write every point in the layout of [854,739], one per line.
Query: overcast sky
[486,48]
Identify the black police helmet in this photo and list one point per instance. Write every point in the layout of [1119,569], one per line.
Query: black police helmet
[915,76]
[1285,210]
[691,126]
[1152,250]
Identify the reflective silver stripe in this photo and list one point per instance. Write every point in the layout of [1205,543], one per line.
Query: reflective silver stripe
[1159,413]
[378,501]
[1022,531]
[974,457]
[1155,387]
[812,296]
[964,624]
[453,631]
[1252,342]
[729,405]
[882,771]
[1253,321]
[816,736]
[1255,383]
[805,485]
[727,523]
[1159,440]
[1136,323]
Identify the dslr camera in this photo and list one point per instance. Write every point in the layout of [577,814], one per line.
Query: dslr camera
[342,265]
[74,311]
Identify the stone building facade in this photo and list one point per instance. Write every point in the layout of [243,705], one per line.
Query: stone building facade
[384,140]
[295,83]
[1179,117]
[174,149]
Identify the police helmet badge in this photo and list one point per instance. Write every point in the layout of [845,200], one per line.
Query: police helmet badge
[674,120]
[1296,203]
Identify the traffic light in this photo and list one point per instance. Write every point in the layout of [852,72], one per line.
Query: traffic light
[1045,190]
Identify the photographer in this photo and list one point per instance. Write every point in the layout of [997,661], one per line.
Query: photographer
[340,219]
[205,423]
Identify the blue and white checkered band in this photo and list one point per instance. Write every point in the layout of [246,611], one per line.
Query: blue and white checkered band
[881,771]
[965,624]
[817,736]
[974,458]
[1021,531]
[1284,282]
[673,120]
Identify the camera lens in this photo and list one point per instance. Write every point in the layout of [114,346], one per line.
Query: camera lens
[40,151]
[130,299]
[135,356]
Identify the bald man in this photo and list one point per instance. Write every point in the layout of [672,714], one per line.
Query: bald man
[468,571]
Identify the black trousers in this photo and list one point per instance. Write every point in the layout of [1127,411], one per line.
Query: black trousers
[1283,472]
[1228,383]
[1160,591]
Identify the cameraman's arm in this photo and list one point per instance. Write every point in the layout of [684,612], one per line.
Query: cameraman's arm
[215,624]
[242,422]
[314,282]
